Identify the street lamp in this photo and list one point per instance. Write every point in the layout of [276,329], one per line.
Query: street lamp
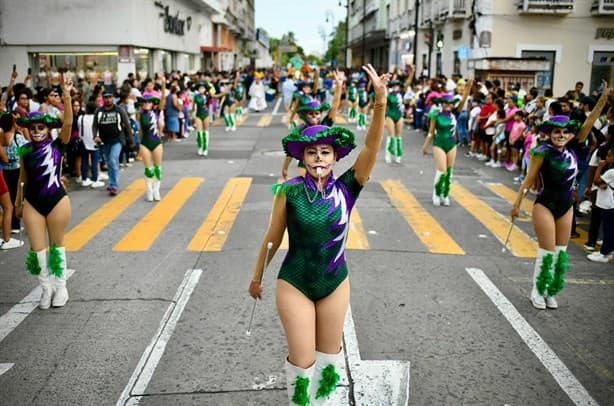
[347,27]
[330,18]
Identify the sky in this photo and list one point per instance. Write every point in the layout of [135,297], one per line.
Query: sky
[303,17]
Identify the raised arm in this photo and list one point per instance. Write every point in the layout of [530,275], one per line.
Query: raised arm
[590,120]
[316,81]
[466,93]
[332,113]
[368,154]
[67,86]
[162,104]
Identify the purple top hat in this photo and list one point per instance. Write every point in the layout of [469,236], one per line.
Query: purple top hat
[340,138]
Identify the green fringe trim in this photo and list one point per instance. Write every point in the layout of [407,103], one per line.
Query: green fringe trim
[55,262]
[328,383]
[158,171]
[286,189]
[571,125]
[305,107]
[300,396]
[49,121]
[561,266]
[399,146]
[544,279]
[343,137]
[32,264]
[440,185]
[447,182]
[25,149]
[199,141]
[392,146]
[149,172]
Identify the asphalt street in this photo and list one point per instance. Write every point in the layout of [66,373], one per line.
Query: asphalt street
[159,308]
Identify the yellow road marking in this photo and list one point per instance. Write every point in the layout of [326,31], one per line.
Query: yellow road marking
[145,232]
[527,207]
[509,195]
[241,120]
[357,239]
[571,281]
[212,234]
[81,234]
[428,230]
[265,121]
[520,244]
[340,120]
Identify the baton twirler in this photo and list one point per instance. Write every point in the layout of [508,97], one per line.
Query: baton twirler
[269,245]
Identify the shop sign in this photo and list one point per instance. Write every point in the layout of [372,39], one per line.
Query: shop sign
[173,24]
[606,33]
[125,55]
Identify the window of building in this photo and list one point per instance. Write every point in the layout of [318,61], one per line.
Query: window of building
[601,68]
[457,64]
[142,62]
[90,65]
[544,79]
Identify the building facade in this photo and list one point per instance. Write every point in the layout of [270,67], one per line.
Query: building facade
[548,43]
[367,39]
[110,39]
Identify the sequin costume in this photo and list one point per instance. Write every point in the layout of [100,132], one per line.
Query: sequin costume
[238,92]
[445,125]
[150,138]
[558,173]
[363,98]
[317,229]
[352,94]
[42,162]
[394,107]
[202,106]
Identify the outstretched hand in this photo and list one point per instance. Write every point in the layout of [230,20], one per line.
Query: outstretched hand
[338,79]
[379,83]
[67,83]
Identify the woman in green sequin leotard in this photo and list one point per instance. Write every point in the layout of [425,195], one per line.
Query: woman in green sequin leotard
[394,119]
[442,132]
[151,145]
[313,290]
[553,210]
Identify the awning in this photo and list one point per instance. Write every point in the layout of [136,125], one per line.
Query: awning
[214,49]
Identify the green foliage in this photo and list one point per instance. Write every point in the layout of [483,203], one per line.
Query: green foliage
[336,45]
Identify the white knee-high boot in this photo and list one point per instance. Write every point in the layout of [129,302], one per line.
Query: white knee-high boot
[560,267]
[328,371]
[438,184]
[542,277]
[298,383]
[36,264]
[57,265]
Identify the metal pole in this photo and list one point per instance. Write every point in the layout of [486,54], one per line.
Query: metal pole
[416,9]
[364,16]
[347,30]
[430,74]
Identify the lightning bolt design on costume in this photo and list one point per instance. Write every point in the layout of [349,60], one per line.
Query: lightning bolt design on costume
[50,158]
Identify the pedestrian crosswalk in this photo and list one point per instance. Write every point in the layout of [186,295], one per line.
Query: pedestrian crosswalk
[216,224]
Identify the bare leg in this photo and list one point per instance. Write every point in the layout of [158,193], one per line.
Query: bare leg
[36,226]
[330,316]
[563,228]
[544,226]
[7,215]
[298,316]
[57,222]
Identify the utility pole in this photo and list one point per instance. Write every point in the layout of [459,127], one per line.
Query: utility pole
[430,47]
[347,30]
[416,10]
[364,16]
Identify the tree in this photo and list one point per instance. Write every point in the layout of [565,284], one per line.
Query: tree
[288,39]
[336,45]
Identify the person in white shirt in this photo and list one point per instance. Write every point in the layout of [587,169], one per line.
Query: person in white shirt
[90,152]
[604,180]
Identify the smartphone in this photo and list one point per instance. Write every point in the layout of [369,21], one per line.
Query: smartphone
[14,67]
[29,71]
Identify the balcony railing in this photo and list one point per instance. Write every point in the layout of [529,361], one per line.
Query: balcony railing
[453,9]
[602,7]
[546,6]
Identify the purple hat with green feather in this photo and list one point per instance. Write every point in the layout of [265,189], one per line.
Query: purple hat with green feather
[340,138]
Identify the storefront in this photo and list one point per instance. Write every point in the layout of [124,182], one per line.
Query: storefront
[511,71]
[158,36]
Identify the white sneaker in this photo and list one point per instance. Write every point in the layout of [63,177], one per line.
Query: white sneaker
[388,158]
[96,184]
[60,297]
[233,128]
[551,303]
[227,129]
[200,151]
[45,300]
[78,180]
[489,163]
[436,200]
[445,201]
[496,165]
[11,243]
[397,159]
[87,182]
[130,159]
[595,257]
[103,176]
